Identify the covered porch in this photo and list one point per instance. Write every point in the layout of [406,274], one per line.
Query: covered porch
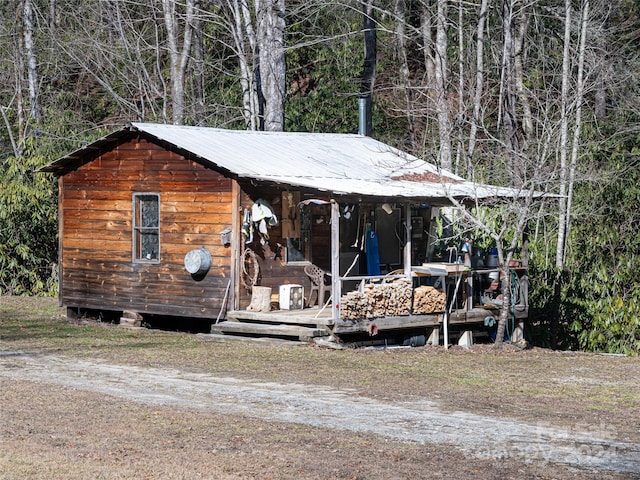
[466,306]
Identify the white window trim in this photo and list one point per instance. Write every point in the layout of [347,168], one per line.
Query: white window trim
[135,228]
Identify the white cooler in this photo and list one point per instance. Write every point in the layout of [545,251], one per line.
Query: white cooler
[291,297]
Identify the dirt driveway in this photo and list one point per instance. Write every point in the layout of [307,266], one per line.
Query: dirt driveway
[419,422]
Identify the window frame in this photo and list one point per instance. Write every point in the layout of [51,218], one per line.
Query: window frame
[305,238]
[138,230]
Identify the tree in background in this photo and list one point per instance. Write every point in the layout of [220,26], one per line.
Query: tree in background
[31,61]
[600,295]
[258,31]
[517,93]
[28,226]
[522,116]
[602,289]
[178,56]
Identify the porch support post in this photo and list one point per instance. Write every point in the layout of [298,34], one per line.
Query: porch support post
[236,245]
[407,244]
[336,285]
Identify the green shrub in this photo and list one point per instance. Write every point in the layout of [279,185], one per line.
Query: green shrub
[28,228]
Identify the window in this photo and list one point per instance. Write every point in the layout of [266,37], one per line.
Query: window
[298,242]
[146,227]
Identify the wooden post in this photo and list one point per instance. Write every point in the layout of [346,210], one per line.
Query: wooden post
[236,245]
[445,318]
[336,285]
[433,213]
[407,245]
[445,326]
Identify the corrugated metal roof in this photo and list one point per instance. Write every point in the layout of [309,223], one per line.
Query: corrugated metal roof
[291,154]
[339,163]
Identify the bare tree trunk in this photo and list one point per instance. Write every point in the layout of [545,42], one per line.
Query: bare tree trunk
[564,147]
[32,61]
[369,68]
[14,146]
[19,88]
[508,97]
[479,87]
[564,176]
[426,91]
[441,81]
[603,74]
[516,225]
[426,24]
[119,28]
[198,66]
[527,117]
[270,18]
[503,318]
[53,14]
[584,19]
[461,106]
[401,45]
[600,107]
[178,59]
[241,29]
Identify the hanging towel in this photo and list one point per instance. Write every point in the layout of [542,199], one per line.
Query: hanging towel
[373,255]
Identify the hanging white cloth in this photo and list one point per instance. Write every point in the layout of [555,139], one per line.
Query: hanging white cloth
[263,217]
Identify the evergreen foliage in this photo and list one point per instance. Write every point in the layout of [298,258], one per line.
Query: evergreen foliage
[102,64]
[602,297]
[28,227]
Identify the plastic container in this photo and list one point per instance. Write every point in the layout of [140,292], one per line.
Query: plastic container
[492,258]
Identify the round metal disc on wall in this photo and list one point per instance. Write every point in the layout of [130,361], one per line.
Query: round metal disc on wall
[198,261]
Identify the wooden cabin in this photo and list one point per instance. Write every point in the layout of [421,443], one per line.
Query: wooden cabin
[193,222]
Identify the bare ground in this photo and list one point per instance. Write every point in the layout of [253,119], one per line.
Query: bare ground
[69,413]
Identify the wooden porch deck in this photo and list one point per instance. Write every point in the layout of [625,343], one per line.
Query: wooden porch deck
[387,323]
[310,323]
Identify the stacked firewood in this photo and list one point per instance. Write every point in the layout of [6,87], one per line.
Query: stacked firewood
[427,299]
[378,300]
[355,305]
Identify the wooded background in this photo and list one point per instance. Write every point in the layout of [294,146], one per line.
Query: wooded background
[543,94]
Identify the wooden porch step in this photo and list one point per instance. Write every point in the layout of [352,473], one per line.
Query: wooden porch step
[307,316]
[229,338]
[304,334]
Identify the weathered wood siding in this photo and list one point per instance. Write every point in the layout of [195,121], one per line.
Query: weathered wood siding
[98,270]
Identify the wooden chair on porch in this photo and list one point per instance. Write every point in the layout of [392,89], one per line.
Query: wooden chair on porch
[318,285]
